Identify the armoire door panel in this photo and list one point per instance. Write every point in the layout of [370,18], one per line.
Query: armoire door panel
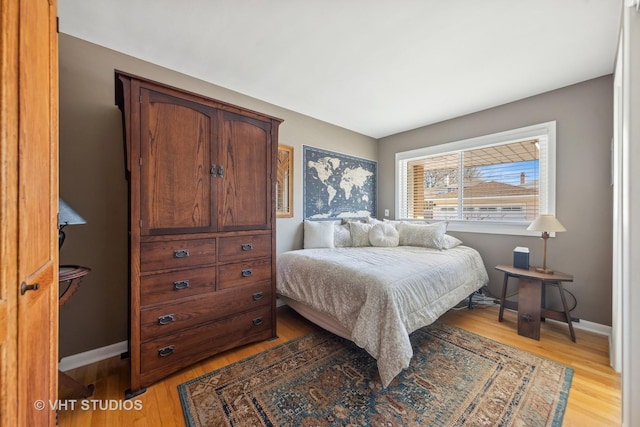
[246,150]
[176,165]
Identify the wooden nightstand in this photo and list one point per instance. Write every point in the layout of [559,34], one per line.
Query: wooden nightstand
[530,306]
[71,276]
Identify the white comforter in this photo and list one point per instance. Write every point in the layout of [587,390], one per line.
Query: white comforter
[381,294]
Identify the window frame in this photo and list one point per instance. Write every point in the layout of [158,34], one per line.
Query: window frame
[519,228]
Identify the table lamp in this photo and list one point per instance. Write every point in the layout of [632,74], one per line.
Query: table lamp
[546,224]
[66,216]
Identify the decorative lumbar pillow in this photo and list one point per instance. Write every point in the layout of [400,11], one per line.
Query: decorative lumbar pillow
[360,233]
[318,234]
[342,236]
[427,235]
[384,235]
[449,242]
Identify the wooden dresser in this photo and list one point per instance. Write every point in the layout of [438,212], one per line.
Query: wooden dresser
[202,226]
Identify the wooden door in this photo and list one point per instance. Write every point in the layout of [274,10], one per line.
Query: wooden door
[29,198]
[176,165]
[247,157]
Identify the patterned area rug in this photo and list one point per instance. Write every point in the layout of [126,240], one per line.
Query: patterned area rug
[456,378]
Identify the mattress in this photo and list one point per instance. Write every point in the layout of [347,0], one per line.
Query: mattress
[377,296]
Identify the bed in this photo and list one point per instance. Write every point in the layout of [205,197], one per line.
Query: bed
[376,296]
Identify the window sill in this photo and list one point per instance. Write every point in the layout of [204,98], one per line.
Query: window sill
[488,227]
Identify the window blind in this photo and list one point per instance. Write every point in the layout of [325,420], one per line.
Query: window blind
[499,182]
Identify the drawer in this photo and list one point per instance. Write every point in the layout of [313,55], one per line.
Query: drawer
[176,253]
[244,273]
[185,313]
[244,247]
[171,352]
[163,287]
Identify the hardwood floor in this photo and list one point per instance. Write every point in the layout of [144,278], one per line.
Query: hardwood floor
[594,399]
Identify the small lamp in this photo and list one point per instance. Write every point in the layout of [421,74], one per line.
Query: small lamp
[66,216]
[546,224]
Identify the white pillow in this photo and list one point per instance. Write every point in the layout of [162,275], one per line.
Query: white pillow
[427,235]
[348,220]
[318,234]
[384,235]
[392,222]
[449,242]
[342,236]
[360,233]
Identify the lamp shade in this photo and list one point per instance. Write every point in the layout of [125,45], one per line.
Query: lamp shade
[547,223]
[67,216]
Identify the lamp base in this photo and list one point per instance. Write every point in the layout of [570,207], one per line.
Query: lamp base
[544,270]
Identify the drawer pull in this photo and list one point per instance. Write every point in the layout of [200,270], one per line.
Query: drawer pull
[167,318]
[181,284]
[257,296]
[181,253]
[258,321]
[165,351]
[247,273]
[247,246]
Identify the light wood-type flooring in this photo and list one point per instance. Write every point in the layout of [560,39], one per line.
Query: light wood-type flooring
[594,398]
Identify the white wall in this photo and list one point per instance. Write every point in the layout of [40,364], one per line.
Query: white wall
[630,218]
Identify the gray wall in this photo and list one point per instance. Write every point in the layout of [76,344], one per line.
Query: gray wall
[584,120]
[92,181]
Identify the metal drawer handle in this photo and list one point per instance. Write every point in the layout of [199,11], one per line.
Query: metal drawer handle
[181,284]
[24,287]
[165,351]
[167,318]
[181,253]
[257,296]
[220,171]
[247,246]
[258,321]
[247,273]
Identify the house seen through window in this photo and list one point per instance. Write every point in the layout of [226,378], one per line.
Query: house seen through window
[501,181]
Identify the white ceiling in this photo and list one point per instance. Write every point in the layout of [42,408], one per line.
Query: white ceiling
[377,67]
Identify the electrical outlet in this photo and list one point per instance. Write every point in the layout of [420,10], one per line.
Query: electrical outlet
[386,213]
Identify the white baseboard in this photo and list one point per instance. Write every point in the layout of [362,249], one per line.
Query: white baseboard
[92,356]
[585,325]
[102,353]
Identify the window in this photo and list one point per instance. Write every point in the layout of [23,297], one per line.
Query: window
[496,183]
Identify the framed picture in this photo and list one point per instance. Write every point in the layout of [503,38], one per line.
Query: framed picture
[337,185]
[284,185]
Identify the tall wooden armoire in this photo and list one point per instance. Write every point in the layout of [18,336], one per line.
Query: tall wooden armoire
[202,177]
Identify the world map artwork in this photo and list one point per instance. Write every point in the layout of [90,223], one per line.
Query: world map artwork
[337,185]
